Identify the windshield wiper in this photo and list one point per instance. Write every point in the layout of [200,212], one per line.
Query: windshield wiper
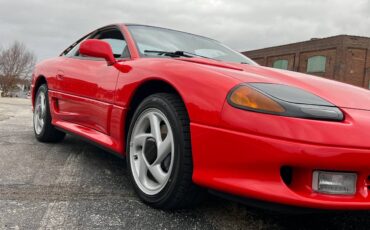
[169,53]
[178,53]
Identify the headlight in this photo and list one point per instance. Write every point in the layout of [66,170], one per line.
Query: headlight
[283,100]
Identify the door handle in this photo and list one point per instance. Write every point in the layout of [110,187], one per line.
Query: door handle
[60,76]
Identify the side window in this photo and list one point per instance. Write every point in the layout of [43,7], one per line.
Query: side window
[116,41]
[280,64]
[316,64]
[72,50]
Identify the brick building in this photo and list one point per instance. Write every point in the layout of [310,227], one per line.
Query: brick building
[343,58]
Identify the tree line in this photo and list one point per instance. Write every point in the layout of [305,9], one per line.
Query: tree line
[16,66]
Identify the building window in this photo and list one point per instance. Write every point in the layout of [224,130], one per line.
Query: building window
[280,64]
[316,64]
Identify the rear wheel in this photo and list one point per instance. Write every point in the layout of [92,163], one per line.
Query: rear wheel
[159,153]
[44,130]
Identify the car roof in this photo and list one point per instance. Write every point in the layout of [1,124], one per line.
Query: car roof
[135,24]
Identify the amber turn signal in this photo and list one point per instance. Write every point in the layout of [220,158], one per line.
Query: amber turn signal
[250,98]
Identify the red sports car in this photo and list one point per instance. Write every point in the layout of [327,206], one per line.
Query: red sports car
[191,114]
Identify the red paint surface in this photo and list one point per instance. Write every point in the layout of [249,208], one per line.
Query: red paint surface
[234,151]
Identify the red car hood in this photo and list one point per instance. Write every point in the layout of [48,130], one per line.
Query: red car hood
[340,94]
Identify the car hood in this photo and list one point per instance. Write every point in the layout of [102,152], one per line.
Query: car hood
[340,94]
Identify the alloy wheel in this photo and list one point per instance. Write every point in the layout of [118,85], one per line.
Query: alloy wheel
[151,151]
[39,114]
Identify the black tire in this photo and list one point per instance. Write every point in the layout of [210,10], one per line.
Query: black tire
[48,132]
[180,191]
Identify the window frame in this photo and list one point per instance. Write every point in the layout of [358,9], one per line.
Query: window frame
[90,36]
[71,47]
[311,60]
[282,61]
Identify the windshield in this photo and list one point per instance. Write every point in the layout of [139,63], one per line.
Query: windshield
[149,39]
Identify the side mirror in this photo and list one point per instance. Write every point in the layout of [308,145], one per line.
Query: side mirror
[99,49]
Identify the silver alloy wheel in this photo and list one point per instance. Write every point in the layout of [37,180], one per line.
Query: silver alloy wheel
[151,151]
[39,113]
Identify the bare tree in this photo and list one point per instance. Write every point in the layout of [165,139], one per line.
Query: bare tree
[16,65]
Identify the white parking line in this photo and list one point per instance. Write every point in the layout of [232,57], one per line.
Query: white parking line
[56,213]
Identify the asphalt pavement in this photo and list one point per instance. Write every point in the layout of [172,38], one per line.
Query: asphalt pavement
[75,185]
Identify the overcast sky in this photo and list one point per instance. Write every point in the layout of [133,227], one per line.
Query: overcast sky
[48,26]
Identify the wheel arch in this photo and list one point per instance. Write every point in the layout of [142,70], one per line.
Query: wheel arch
[145,89]
[41,79]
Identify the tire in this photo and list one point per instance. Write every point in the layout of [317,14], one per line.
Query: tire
[174,189]
[43,129]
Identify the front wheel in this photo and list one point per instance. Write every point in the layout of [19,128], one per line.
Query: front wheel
[159,153]
[44,130]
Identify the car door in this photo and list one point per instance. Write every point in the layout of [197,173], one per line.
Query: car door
[87,84]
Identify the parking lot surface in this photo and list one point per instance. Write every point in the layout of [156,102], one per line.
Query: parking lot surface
[75,185]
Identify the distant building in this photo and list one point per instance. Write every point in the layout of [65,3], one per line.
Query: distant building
[343,58]
[21,89]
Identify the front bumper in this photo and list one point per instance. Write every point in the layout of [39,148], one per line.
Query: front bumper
[252,164]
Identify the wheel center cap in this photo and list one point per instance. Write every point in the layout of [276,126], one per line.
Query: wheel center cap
[150,150]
